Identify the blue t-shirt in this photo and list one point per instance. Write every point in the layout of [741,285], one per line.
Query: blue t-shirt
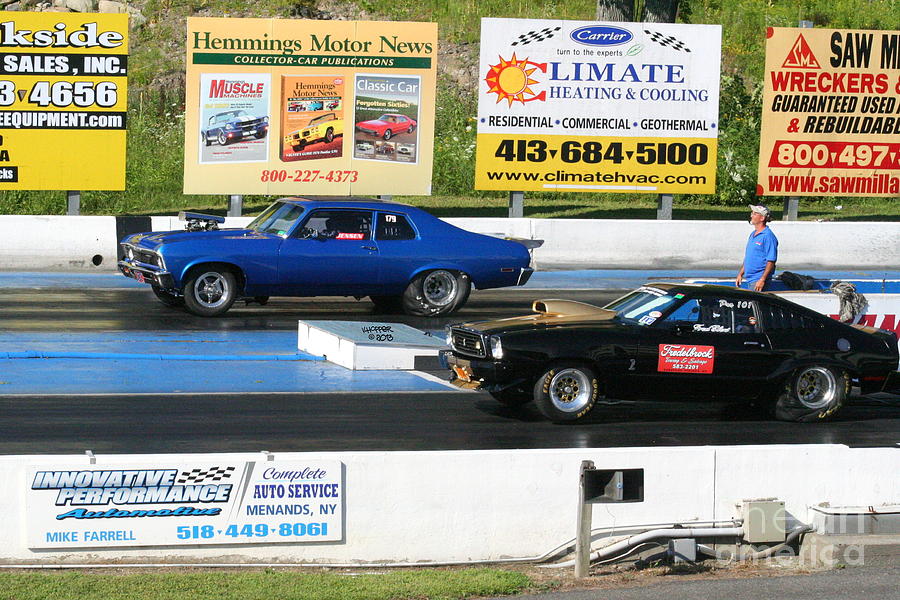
[761,248]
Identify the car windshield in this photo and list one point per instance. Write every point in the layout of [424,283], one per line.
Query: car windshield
[643,305]
[322,119]
[231,115]
[278,218]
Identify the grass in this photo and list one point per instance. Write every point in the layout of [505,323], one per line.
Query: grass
[270,584]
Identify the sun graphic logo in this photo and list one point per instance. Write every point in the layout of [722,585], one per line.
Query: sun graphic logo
[511,80]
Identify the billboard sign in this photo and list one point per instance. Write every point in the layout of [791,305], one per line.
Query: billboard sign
[831,113]
[309,107]
[587,106]
[185,503]
[63,101]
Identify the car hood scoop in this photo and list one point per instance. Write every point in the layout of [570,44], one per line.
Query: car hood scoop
[571,308]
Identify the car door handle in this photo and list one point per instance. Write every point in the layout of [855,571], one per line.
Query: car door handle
[372,248]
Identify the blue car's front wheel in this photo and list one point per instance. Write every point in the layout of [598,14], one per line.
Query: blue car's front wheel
[210,292]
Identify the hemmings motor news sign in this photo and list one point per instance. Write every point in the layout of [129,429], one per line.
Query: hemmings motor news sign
[63,101]
[190,503]
[313,107]
[588,106]
[831,113]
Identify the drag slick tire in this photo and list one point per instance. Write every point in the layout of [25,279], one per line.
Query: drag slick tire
[167,298]
[210,291]
[812,393]
[567,392]
[436,293]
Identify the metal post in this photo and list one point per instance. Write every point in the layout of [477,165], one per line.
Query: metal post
[583,529]
[516,205]
[791,207]
[73,202]
[384,197]
[664,207]
[235,205]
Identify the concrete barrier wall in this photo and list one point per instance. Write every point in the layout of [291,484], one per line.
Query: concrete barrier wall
[490,505]
[628,243]
[52,243]
[71,243]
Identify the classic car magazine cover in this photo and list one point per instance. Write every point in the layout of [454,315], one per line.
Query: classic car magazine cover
[386,117]
[312,117]
[234,117]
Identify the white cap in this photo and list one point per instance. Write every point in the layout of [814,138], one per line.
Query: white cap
[759,208]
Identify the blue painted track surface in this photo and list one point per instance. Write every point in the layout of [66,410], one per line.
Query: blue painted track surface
[37,363]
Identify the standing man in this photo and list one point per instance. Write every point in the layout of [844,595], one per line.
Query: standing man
[761,252]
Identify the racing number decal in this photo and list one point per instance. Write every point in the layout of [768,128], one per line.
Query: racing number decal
[678,358]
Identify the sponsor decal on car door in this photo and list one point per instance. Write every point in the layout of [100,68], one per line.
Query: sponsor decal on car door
[679,358]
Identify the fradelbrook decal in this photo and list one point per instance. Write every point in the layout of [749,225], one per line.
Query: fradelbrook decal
[831,116]
[253,502]
[348,106]
[63,84]
[578,106]
[678,358]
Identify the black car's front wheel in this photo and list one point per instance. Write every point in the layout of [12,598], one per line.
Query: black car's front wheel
[167,298]
[812,393]
[210,292]
[567,392]
[435,293]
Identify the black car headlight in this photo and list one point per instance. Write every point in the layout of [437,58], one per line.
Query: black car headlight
[496,347]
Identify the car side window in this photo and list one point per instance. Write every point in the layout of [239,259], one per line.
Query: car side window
[341,224]
[394,227]
[715,315]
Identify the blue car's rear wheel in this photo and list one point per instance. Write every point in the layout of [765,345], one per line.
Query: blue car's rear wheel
[210,292]
[435,293]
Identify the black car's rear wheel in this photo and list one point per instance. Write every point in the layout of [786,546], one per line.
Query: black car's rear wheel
[210,292]
[567,392]
[435,293]
[812,393]
[167,298]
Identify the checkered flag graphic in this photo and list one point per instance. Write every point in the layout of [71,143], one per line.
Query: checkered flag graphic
[536,36]
[667,41]
[203,475]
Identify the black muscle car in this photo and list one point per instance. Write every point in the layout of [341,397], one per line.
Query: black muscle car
[678,341]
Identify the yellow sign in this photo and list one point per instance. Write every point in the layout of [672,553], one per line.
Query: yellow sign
[309,107]
[831,113]
[63,101]
[582,106]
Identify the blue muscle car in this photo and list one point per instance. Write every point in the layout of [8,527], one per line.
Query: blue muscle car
[233,126]
[399,256]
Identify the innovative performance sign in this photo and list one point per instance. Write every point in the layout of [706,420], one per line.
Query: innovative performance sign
[63,101]
[165,504]
[309,107]
[588,106]
[831,115]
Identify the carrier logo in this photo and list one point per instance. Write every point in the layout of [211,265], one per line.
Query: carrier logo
[511,80]
[601,35]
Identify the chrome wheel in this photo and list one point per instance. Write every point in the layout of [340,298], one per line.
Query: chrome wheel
[212,290]
[440,287]
[570,390]
[816,387]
